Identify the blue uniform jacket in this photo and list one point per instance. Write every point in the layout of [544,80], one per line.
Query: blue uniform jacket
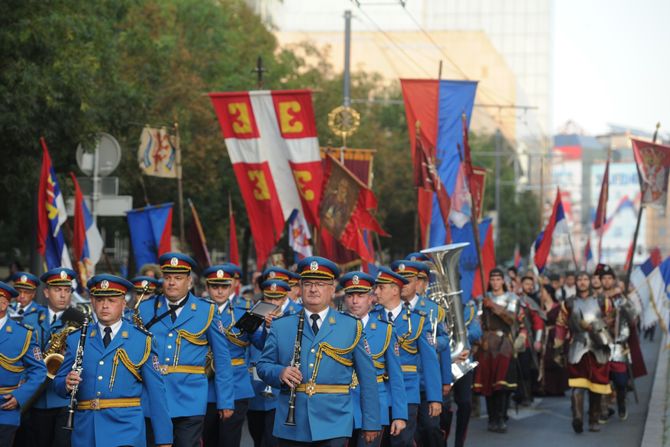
[238,344]
[49,398]
[183,345]
[327,358]
[22,370]
[29,316]
[121,370]
[383,342]
[417,353]
[435,315]
[260,401]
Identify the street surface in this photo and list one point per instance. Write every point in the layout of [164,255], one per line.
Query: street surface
[547,422]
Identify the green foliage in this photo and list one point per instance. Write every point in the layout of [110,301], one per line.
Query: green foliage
[71,68]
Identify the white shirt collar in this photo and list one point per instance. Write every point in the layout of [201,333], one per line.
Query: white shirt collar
[395,311]
[365,320]
[180,308]
[285,305]
[413,301]
[3,320]
[25,309]
[322,315]
[115,328]
[51,314]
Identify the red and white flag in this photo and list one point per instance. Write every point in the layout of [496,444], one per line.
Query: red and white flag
[272,143]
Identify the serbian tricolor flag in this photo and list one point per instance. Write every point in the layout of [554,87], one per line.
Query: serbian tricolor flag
[557,224]
[87,243]
[51,215]
[272,143]
[517,257]
[438,106]
[150,233]
[588,256]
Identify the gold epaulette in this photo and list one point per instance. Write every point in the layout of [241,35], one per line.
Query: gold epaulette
[193,337]
[133,368]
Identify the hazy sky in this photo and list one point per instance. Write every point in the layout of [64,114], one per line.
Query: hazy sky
[611,63]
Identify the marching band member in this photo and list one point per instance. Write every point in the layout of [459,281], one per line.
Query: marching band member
[385,349]
[228,432]
[22,370]
[48,414]
[25,307]
[330,348]
[417,351]
[118,363]
[428,431]
[184,329]
[261,414]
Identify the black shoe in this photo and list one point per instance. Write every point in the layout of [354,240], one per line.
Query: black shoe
[594,427]
[493,427]
[578,425]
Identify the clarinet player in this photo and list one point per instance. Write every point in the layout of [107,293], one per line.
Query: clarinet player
[117,361]
[331,347]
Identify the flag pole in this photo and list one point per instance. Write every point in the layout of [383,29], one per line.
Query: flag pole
[629,271]
[180,190]
[474,213]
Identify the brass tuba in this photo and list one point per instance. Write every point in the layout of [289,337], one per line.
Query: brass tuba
[444,289]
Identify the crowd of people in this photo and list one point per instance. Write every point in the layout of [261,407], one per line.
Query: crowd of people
[306,355]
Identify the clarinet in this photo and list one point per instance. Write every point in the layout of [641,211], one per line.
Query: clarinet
[78,367]
[295,362]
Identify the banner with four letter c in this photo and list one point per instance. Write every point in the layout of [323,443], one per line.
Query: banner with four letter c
[273,146]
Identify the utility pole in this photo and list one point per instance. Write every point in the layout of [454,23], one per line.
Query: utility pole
[346,88]
[498,150]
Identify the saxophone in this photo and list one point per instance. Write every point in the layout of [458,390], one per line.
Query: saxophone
[444,289]
[137,319]
[54,354]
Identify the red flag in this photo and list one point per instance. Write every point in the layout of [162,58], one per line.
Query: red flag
[601,211]
[653,165]
[488,261]
[233,251]
[196,237]
[345,209]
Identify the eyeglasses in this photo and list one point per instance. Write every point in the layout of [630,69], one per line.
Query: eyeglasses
[317,284]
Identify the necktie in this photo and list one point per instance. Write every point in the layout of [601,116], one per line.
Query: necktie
[107,339]
[315,326]
[173,313]
[21,311]
[53,320]
[390,317]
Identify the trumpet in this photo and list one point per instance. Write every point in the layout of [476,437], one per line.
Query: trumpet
[137,319]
